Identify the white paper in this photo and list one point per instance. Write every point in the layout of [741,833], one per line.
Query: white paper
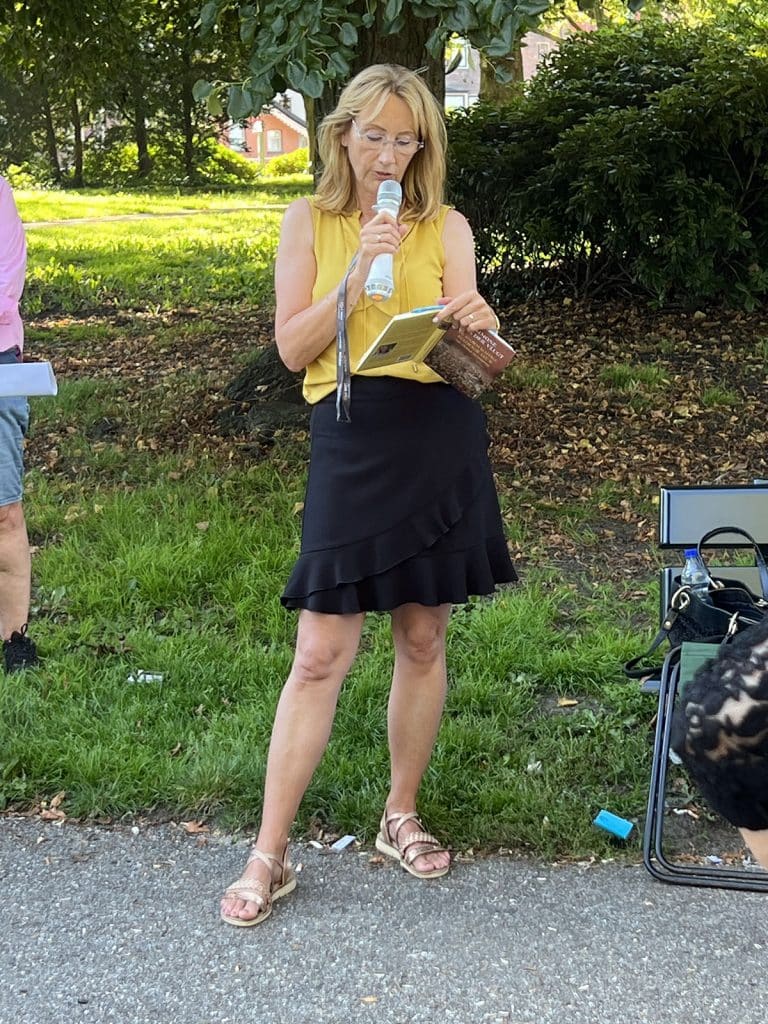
[27,379]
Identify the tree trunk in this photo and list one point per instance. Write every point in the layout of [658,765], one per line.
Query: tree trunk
[407,48]
[495,92]
[50,135]
[187,104]
[265,397]
[140,130]
[77,130]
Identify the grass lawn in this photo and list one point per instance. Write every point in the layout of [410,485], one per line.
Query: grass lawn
[36,205]
[161,546]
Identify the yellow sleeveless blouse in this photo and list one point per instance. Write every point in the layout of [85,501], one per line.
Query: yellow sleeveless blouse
[418,278]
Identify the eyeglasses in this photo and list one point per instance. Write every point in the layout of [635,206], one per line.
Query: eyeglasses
[403,145]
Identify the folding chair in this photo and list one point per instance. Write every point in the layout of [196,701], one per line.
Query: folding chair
[678,669]
[685,515]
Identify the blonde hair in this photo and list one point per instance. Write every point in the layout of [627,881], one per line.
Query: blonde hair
[424,179]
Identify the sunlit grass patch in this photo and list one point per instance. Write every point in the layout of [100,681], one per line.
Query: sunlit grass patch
[158,264]
[45,205]
[715,396]
[630,378]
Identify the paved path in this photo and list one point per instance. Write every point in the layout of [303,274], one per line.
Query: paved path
[73,221]
[107,926]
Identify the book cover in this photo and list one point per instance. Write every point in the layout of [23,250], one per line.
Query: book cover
[468,360]
[406,339]
[27,379]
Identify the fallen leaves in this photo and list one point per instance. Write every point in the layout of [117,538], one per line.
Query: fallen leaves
[194,828]
[565,435]
[50,810]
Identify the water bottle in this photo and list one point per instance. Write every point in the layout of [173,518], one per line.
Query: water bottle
[695,575]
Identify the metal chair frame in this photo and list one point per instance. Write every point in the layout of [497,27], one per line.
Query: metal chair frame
[685,514]
[654,858]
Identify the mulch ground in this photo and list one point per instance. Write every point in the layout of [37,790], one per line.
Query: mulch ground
[562,433]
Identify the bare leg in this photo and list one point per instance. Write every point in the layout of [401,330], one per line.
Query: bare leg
[758,844]
[15,569]
[416,701]
[326,646]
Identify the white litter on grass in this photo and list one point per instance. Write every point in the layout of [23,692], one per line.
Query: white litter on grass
[145,677]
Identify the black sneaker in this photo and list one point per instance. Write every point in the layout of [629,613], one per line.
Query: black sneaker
[19,652]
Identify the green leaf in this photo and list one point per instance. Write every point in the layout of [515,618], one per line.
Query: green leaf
[339,64]
[214,105]
[248,28]
[239,104]
[313,85]
[498,48]
[296,74]
[435,44]
[348,34]
[208,15]
[201,90]
[392,9]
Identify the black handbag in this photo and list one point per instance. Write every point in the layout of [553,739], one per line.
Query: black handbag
[733,608]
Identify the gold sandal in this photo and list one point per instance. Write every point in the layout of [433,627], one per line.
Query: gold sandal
[402,851]
[256,892]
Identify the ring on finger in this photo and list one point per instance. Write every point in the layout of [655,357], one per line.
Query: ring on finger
[471,316]
[378,239]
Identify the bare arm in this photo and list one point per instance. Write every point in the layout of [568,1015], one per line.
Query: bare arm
[462,300]
[303,328]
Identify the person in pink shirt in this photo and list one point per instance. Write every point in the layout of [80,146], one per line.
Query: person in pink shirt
[15,563]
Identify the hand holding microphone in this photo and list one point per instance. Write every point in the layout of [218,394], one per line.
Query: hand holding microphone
[380,285]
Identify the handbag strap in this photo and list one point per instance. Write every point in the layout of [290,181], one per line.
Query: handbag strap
[680,601]
[762,568]
[633,668]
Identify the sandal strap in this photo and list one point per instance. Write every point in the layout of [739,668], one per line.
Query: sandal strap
[398,817]
[421,839]
[418,838]
[266,858]
[269,859]
[250,890]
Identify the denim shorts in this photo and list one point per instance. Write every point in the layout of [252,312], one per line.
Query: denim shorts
[14,420]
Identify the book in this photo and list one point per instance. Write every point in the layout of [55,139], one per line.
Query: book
[27,379]
[468,360]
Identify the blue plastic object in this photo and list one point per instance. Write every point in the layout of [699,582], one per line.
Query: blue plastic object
[612,823]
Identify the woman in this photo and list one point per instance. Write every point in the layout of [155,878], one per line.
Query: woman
[401,514]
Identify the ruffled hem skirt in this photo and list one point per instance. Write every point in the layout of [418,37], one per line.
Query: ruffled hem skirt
[401,505]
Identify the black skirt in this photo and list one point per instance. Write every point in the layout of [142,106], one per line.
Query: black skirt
[400,505]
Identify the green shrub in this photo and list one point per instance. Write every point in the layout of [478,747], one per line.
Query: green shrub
[223,166]
[30,174]
[115,163]
[296,162]
[635,160]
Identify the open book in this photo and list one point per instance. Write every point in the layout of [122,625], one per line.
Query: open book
[468,360]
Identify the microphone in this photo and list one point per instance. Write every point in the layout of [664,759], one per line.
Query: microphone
[380,284]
